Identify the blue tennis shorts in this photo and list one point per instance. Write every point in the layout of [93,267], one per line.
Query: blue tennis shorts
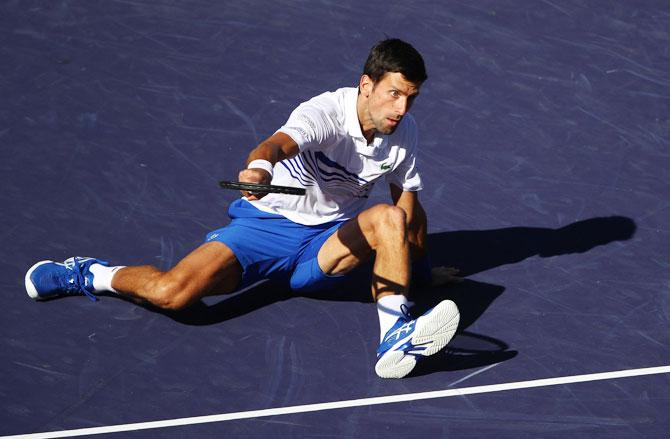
[269,246]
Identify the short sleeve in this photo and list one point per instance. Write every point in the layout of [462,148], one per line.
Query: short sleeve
[311,124]
[406,174]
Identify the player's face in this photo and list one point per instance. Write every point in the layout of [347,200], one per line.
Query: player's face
[388,101]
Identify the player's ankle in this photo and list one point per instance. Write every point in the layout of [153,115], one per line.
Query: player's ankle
[389,309]
[102,277]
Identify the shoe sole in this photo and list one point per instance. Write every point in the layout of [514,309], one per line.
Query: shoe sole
[30,287]
[437,327]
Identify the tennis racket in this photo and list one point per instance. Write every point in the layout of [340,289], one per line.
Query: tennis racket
[262,188]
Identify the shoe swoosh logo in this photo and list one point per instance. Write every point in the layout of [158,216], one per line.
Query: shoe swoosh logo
[403,331]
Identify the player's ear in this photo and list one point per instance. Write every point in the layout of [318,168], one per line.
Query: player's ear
[365,85]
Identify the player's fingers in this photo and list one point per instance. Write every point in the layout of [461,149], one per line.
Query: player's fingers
[252,196]
[258,176]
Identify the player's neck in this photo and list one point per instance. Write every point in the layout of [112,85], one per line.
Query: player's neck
[365,120]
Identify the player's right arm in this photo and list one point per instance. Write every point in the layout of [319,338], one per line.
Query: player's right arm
[277,147]
[309,125]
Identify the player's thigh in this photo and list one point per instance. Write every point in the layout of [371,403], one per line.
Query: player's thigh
[354,242]
[211,268]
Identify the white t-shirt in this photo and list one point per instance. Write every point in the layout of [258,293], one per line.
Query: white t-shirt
[336,165]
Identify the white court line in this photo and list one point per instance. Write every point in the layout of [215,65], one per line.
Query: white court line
[345,404]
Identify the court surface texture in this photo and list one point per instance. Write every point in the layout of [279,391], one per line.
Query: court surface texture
[545,151]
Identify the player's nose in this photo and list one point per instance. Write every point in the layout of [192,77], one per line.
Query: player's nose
[401,106]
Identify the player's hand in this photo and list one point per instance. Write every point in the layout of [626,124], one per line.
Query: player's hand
[254,175]
[444,276]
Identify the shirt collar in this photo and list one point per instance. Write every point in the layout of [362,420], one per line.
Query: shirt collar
[353,127]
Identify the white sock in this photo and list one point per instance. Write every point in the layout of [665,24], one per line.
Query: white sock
[102,277]
[388,308]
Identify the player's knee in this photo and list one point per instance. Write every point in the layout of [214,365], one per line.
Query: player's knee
[390,221]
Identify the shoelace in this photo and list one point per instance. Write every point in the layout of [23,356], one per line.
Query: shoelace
[79,281]
[404,309]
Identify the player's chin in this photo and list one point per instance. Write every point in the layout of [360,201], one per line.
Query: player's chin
[388,130]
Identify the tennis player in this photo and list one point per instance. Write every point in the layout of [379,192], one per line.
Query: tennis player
[337,146]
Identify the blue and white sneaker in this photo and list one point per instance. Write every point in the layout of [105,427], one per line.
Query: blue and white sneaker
[410,339]
[49,279]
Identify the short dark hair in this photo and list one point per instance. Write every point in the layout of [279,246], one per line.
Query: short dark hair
[394,55]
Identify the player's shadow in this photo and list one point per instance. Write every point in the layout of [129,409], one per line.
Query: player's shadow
[477,251]
[470,251]
[480,250]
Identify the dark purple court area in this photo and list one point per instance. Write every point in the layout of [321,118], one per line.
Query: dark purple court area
[545,139]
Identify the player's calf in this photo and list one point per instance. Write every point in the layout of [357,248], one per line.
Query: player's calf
[169,291]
